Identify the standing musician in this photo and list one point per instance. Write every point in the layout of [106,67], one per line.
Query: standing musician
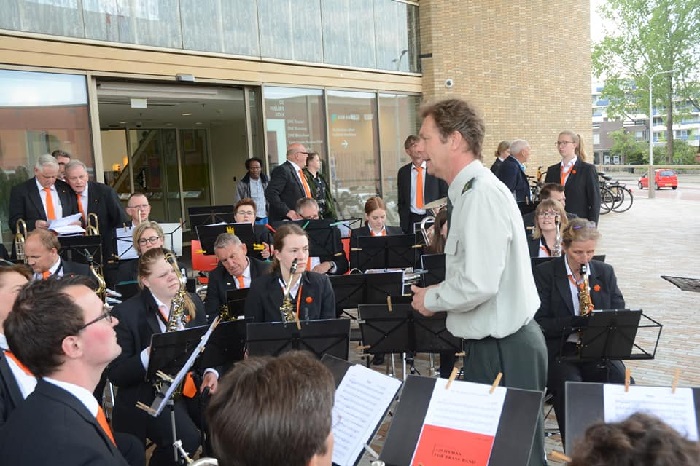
[139,318]
[545,240]
[561,287]
[337,264]
[61,338]
[99,199]
[246,211]
[234,271]
[311,293]
[41,252]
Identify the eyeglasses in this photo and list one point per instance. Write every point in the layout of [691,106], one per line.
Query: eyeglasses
[548,214]
[106,315]
[245,212]
[151,240]
[563,143]
[142,206]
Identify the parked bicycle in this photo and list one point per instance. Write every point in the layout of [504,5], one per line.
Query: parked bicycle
[614,195]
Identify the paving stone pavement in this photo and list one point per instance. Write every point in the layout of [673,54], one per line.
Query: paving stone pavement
[655,237]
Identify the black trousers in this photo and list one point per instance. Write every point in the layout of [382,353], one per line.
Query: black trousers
[562,371]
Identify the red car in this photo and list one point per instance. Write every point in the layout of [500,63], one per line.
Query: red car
[665,178]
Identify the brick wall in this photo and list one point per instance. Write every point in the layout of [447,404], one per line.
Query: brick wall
[525,64]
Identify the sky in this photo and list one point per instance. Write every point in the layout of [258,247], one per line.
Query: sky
[596,22]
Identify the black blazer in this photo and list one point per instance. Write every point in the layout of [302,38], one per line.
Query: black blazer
[138,321]
[556,306]
[581,189]
[25,203]
[533,245]
[283,191]
[434,189]
[514,178]
[10,394]
[52,426]
[104,202]
[265,298]
[75,268]
[496,166]
[220,281]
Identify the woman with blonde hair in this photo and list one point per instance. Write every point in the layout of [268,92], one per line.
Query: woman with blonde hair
[502,152]
[546,235]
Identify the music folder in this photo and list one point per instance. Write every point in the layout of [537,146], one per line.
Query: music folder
[207,234]
[415,435]
[330,336]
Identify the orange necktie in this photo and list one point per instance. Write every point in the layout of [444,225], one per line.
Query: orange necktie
[381,233]
[419,187]
[50,212]
[241,282]
[102,421]
[564,174]
[11,355]
[80,205]
[307,190]
[45,275]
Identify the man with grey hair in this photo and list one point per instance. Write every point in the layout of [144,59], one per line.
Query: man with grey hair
[234,271]
[512,173]
[41,199]
[99,199]
[287,185]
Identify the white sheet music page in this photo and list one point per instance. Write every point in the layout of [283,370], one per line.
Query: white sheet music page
[361,400]
[460,424]
[675,409]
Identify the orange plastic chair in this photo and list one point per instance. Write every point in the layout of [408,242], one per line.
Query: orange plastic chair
[202,262]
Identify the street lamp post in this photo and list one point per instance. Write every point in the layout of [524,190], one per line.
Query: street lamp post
[652,175]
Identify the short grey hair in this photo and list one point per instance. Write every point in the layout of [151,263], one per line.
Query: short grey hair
[74,163]
[45,160]
[517,146]
[226,239]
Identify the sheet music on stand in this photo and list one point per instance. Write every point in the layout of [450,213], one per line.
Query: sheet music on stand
[173,237]
[125,243]
[362,399]
[684,283]
[210,215]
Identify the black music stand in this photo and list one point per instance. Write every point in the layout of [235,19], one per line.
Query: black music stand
[684,283]
[207,235]
[81,248]
[226,345]
[235,300]
[384,252]
[379,286]
[434,267]
[349,291]
[170,350]
[331,336]
[208,215]
[323,236]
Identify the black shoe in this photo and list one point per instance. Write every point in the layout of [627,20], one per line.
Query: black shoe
[378,359]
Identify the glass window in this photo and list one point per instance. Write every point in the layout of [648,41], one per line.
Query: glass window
[291,29]
[293,115]
[398,118]
[354,156]
[39,113]
[349,33]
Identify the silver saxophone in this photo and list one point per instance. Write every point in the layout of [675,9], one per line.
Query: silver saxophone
[556,250]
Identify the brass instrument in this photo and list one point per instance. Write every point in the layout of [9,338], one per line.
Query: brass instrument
[433,207]
[204,461]
[20,238]
[287,307]
[556,250]
[225,313]
[584,296]
[92,225]
[176,319]
[101,290]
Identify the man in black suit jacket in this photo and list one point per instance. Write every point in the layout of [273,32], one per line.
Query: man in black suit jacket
[580,179]
[99,199]
[60,420]
[287,185]
[512,172]
[557,318]
[28,199]
[41,250]
[433,188]
[234,271]
[337,264]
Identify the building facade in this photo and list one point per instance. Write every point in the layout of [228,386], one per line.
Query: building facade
[170,97]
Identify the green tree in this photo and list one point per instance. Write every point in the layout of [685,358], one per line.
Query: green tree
[649,36]
[630,151]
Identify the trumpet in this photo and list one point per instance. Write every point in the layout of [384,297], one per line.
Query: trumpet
[433,207]
[20,238]
[92,227]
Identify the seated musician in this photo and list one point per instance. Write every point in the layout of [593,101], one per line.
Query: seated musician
[548,191]
[561,289]
[274,411]
[146,235]
[641,440]
[234,271]
[41,251]
[336,264]
[375,221]
[543,241]
[61,339]
[140,317]
[245,211]
[310,293]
